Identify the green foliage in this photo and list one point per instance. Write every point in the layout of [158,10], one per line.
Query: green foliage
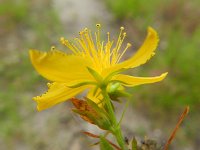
[16,82]
[134,9]
[17,10]
[8,111]
[20,25]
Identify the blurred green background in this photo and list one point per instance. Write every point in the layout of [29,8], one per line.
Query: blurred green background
[39,24]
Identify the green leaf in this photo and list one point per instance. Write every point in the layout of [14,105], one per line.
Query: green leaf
[105,145]
[103,121]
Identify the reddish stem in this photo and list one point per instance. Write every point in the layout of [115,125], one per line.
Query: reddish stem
[183,115]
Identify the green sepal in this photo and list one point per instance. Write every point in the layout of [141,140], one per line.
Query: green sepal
[118,94]
[104,144]
[95,74]
[105,121]
[113,87]
[102,110]
[97,108]
[95,90]
[116,90]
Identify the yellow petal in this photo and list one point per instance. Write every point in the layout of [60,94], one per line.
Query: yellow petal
[58,92]
[59,67]
[133,81]
[142,55]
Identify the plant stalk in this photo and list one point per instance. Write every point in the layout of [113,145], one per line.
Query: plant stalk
[116,127]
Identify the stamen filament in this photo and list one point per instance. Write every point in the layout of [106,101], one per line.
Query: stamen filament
[69,45]
[127,46]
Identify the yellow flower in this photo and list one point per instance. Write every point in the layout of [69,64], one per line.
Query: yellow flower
[90,64]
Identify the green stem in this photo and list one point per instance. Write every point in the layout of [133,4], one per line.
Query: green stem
[116,127]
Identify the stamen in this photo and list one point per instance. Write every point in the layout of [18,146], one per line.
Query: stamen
[119,38]
[114,53]
[86,30]
[108,34]
[91,46]
[80,33]
[53,48]
[124,34]
[49,85]
[153,54]
[76,49]
[62,40]
[72,47]
[107,50]
[86,42]
[82,45]
[97,34]
[121,28]
[98,25]
[120,44]
[127,46]
[91,39]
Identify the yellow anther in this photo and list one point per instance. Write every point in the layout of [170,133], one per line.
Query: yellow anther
[62,39]
[98,25]
[129,45]
[121,28]
[48,84]
[81,32]
[124,34]
[53,47]
[108,34]
[86,29]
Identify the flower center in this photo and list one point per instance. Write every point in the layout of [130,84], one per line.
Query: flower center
[102,54]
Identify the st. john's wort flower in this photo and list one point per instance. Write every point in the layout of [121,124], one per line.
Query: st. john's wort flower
[91,64]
